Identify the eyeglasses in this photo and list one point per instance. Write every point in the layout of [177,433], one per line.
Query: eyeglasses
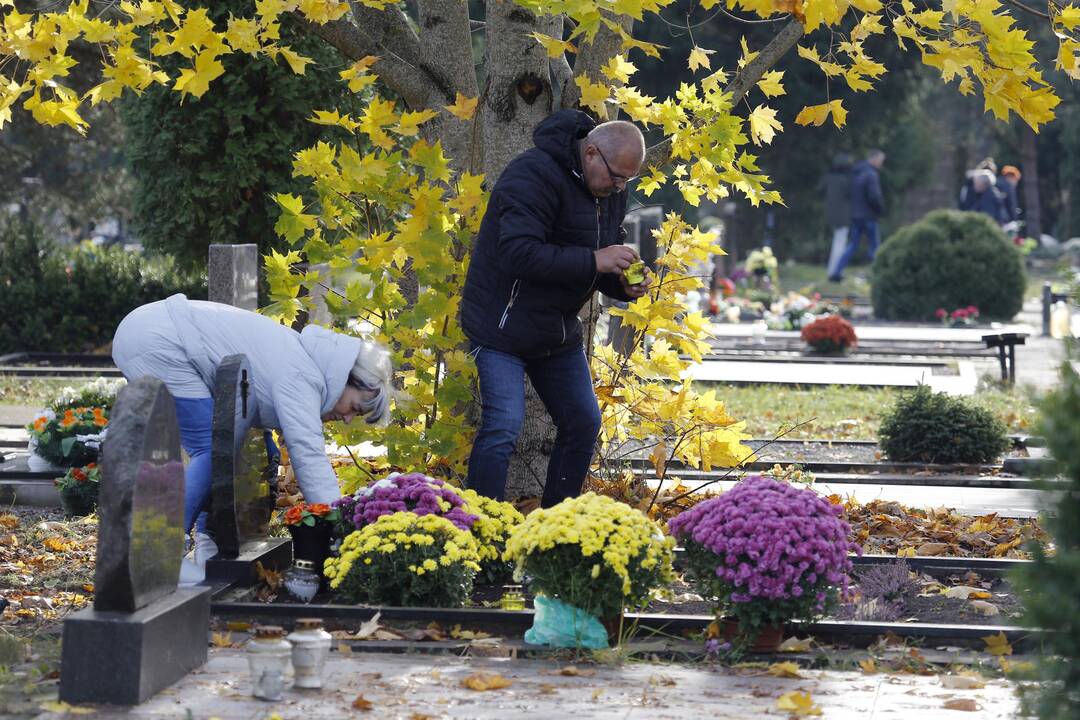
[614,178]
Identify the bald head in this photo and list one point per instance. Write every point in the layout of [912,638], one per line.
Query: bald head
[611,156]
[618,136]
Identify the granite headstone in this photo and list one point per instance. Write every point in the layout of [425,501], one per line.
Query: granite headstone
[143,632]
[233,275]
[141,503]
[244,478]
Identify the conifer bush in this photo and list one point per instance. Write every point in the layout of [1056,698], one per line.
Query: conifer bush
[949,259]
[929,427]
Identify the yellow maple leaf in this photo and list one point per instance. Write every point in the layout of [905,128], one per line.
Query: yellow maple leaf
[221,639]
[243,35]
[357,74]
[763,125]
[56,545]
[997,644]
[410,122]
[699,58]
[813,115]
[799,704]
[593,95]
[486,681]
[554,46]
[1069,16]
[463,108]
[770,83]
[196,81]
[296,61]
[618,69]
[784,670]
[62,708]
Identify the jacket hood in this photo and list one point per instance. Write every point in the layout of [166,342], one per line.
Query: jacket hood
[334,354]
[558,133]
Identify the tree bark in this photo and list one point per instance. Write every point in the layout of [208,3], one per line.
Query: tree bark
[1029,160]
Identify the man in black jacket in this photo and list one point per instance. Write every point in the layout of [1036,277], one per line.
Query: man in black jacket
[552,234]
[867,205]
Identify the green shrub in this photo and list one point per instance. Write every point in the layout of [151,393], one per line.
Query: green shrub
[1053,600]
[71,299]
[929,427]
[948,259]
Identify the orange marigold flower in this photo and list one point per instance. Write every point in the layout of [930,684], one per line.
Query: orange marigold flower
[68,422]
[69,414]
[294,515]
[101,421]
[319,509]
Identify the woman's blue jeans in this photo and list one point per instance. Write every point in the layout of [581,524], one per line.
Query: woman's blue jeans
[564,384]
[196,417]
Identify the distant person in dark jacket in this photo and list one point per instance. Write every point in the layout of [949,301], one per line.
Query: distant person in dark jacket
[1006,185]
[867,205]
[837,188]
[552,234]
[984,196]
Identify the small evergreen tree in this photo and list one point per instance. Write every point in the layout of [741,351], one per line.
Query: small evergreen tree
[205,169]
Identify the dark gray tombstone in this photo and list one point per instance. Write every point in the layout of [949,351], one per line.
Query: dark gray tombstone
[143,632]
[243,488]
[233,275]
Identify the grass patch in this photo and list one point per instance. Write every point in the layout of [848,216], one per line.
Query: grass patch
[808,279]
[850,413]
[35,392]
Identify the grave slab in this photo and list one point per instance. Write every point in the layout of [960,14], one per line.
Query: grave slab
[886,332]
[750,372]
[410,685]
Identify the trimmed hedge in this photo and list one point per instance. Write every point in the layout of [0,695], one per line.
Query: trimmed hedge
[948,259]
[71,299]
[924,426]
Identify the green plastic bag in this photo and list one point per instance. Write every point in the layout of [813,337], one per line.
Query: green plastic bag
[557,624]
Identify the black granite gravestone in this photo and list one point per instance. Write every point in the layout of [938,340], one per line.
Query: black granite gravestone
[244,482]
[143,632]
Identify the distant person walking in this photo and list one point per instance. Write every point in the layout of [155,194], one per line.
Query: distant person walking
[984,196]
[1006,184]
[836,185]
[867,206]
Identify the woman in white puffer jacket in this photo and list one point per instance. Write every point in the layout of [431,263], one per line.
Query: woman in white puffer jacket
[300,380]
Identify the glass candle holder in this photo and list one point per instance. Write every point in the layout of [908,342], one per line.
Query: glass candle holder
[310,648]
[268,658]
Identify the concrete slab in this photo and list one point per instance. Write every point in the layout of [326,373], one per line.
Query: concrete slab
[738,371]
[17,415]
[420,686]
[1006,502]
[928,333]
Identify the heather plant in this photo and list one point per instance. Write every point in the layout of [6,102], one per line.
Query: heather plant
[929,427]
[879,592]
[592,552]
[413,492]
[767,552]
[405,559]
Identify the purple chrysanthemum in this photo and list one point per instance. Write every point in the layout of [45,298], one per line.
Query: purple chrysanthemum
[412,492]
[770,541]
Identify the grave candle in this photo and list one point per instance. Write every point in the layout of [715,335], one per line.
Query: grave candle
[310,647]
[268,658]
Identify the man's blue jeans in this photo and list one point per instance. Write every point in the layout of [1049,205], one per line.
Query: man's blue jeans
[859,227]
[564,384]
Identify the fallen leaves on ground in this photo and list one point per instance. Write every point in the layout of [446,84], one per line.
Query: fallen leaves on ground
[785,670]
[963,681]
[575,671]
[46,565]
[966,704]
[889,528]
[486,681]
[62,708]
[794,644]
[798,704]
[868,666]
[997,644]
[363,704]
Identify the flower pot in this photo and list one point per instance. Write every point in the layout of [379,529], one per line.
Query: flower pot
[614,625]
[311,542]
[79,500]
[768,638]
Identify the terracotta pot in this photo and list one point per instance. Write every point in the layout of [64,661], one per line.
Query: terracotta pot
[768,638]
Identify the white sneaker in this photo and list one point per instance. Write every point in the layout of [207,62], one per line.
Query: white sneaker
[191,573]
[205,548]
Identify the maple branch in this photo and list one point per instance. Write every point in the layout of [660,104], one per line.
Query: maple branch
[1021,6]
[386,34]
[660,153]
[592,56]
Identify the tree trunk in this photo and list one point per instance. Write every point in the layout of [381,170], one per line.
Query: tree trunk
[1029,159]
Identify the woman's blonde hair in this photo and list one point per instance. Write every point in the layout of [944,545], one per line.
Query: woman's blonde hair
[373,370]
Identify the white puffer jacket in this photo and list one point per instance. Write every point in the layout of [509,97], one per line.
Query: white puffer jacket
[297,377]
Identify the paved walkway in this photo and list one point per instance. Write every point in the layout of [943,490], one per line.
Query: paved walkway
[424,686]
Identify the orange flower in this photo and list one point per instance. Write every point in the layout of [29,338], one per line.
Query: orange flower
[78,474]
[320,509]
[40,423]
[101,421]
[294,515]
[69,414]
[91,466]
[68,422]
